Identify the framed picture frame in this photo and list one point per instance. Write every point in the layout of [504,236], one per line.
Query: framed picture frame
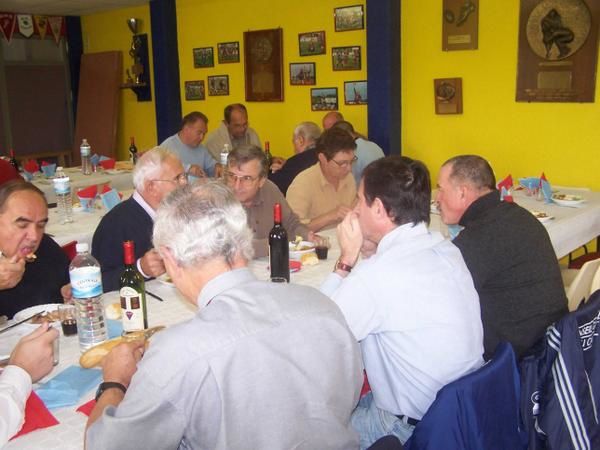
[203,57]
[355,92]
[194,90]
[346,58]
[447,94]
[263,64]
[218,85]
[460,25]
[348,18]
[228,52]
[312,43]
[324,99]
[303,74]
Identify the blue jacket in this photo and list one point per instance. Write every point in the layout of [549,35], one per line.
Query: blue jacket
[561,383]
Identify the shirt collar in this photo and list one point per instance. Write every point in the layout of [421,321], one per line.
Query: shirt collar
[479,207]
[222,283]
[140,200]
[405,232]
[324,182]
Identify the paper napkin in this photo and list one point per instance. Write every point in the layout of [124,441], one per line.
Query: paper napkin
[48,169]
[110,199]
[107,164]
[37,416]
[66,388]
[31,166]
[94,159]
[87,407]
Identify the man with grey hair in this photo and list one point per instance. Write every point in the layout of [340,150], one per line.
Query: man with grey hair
[157,172]
[261,365]
[304,140]
[508,253]
[246,175]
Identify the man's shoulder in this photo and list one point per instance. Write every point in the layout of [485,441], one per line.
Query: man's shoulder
[170,140]
[124,214]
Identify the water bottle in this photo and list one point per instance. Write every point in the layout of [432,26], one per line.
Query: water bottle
[86,285]
[64,202]
[224,155]
[86,163]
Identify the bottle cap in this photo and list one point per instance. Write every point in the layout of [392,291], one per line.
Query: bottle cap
[81,247]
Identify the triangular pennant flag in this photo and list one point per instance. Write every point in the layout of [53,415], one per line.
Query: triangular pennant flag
[41,22]
[7,24]
[25,24]
[56,26]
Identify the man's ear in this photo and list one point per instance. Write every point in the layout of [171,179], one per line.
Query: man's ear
[322,158]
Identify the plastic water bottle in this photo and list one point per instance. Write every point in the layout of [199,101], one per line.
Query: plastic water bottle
[86,152]
[224,155]
[86,285]
[64,202]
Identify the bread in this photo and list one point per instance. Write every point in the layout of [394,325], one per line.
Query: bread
[113,311]
[309,259]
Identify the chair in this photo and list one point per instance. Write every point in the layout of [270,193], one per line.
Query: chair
[478,411]
[579,289]
[70,249]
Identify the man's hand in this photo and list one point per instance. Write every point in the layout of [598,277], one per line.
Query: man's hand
[219,170]
[11,271]
[34,352]
[350,238]
[341,212]
[67,293]
[277,163]
[121,363]
[196,171]
[152,264]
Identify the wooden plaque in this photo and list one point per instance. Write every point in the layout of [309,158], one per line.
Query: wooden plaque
[448,95]
[460,25]
[263,63]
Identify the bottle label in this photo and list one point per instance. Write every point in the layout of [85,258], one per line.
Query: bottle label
[224,158]
[62,186]
[86,282]
[85,151]
[133,309]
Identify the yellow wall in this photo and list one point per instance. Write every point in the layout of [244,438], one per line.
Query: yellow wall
[109,32]
[206,23]
[561,139]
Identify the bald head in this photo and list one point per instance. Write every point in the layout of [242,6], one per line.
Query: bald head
[331,118]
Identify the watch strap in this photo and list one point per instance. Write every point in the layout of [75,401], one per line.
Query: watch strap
[109,385]
[339,265]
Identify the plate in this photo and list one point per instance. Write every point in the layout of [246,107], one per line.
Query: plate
[166,279]
[541,215]
[25,313]
[9,340]
[114,171]
[567,199]
[306,246]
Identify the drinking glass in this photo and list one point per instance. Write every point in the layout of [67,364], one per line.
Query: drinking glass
[68,319]
[322,246]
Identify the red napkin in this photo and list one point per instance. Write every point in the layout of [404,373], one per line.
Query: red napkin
[88,192]
[366,388]
[31,166]
[37,416]
[86,408]
[542,178]
[107,188]
[45,163]
[107,164]
[507,183]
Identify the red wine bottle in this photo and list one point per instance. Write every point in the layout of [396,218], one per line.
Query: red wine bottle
[268,155]
[279,249]
[132,292]
[13,160]
[133,151]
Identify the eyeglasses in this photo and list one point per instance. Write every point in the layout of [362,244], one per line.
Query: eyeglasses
[182,178]
[345,163]
[231,178]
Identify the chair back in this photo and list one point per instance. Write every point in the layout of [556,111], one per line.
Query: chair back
[478,411]
[580,287]
[70,249]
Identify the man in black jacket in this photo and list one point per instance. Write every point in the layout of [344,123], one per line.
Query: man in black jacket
[508,253]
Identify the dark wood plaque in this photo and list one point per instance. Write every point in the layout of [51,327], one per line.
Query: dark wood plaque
[558,48]
[263,64]
[447,93]
[460,20]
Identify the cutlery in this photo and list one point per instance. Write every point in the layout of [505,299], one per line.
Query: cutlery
[154,295]
[21,321]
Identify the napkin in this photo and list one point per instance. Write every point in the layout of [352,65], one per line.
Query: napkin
[48,169]
[531,185]
[107,163]
[87,196]
[110,198]
[94,159]
[506,183]
[36,416]
[505,195]
[114,328]
[86,408]
[547,191]
[66,388]
[31,166]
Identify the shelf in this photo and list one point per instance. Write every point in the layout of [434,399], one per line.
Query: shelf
[142,90]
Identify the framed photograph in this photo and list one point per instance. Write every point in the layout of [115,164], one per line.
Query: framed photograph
[346,58]
[194,90]
[303,74]
[349,18]
[355,92]
[218,85]
[203,57]
[323,99]
[228,52]
[447,93]
[263,64]
[312,43]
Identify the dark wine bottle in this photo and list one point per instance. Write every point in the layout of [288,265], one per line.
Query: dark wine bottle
[133,151]
[132,293]
[279,249]
[13,160]
[268,155]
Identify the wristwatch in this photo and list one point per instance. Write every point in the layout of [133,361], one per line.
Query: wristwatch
[339,265]
[109,385]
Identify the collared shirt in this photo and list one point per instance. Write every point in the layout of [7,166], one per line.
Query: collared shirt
[199,156]
[140,201]
[257,358]
[293,166]
[415,311]
[218,138]
[15,387]
[260,218]
[311,195]
[366,152]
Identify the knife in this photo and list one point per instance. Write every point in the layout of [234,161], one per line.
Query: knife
[21,321]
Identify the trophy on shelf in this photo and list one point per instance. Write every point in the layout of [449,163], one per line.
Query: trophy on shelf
[138,68]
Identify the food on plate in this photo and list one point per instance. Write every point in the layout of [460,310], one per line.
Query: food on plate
[309,259]
[567,197]
[539,214]
[48,316]
[113,311]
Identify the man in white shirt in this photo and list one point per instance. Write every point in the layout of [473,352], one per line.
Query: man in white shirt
[30,360]
[412,305]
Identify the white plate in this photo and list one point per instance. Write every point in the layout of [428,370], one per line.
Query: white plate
[27,312]
[567,199]
[541,215]
[297,254]
[113,171]
[9,340]
[166,279]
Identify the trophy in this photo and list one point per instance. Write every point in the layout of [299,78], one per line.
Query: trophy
[138,68]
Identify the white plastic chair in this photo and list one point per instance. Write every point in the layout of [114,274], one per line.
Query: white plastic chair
[580,288]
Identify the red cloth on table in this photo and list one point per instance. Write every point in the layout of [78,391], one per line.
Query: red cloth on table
[7,172]
[37,416]
[86,408]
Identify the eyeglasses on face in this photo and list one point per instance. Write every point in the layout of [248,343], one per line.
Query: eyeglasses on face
[231,178]
[182,178]
[345,163]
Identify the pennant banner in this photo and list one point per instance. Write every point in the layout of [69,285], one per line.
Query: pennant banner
[7,25]
[56,26]
[25,24]
[41,23]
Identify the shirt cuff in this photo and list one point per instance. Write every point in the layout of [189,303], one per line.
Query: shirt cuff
[18,379]
[138,264]
[331,283]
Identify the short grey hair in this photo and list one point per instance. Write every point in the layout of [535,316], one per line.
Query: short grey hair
[149,165]
[246,153]
[310,131]
[472,169]
[203,222]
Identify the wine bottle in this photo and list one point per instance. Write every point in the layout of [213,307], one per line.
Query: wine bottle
[132,293]
[133,151]
[279,249]
[13,160]
[268,155]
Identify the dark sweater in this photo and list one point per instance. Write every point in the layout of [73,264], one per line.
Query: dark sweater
[293,166]
[127,221]
[41,281]
[515,271]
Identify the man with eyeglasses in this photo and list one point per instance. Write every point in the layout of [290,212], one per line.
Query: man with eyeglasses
[323,194]
[156,174]
[187,145]
[246,175]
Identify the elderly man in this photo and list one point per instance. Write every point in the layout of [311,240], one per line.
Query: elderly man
[33,268]
[234,130]
[157,172]
[260,366]
[508,252]
[366,151]
[246,175]
[323,194]
[187,145]
[331,118]
[304,140]
[412,305]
